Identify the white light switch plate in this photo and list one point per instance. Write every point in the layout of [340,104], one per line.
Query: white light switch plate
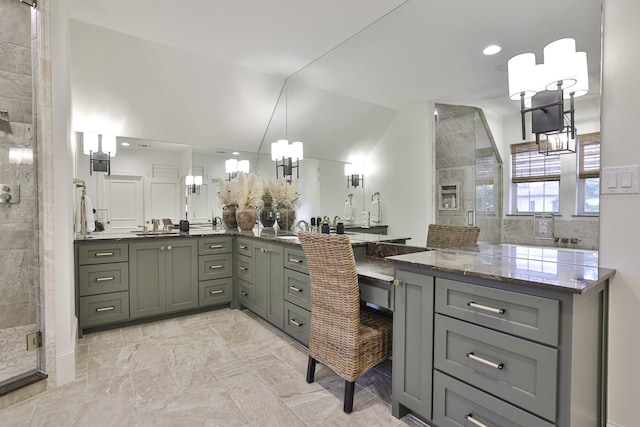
[620,180]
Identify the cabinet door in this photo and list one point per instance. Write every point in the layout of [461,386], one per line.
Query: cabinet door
[181,274]
[412,344]
[260,279]
[275,297]
[147,284]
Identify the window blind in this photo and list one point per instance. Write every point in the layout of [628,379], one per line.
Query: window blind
[589,156]
[527,165]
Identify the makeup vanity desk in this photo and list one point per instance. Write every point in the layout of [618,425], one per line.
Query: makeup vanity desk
[506,335]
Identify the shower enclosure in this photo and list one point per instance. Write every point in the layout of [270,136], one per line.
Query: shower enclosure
[468,172]
[20,354]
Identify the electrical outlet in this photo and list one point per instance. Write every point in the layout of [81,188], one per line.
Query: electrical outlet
[543,226]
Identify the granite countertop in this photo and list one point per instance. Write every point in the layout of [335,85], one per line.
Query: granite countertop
[566,270]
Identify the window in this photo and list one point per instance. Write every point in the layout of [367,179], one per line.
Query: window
[589,174]
[535,178]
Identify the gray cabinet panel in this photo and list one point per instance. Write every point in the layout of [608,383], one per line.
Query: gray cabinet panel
[244,246]
[295,259]
[297,289]
[215,266]
[412,344]
[102,309]
[268,289]
[147,278]
[214,292]
[455,403]
[297,322]
[376,295]
[100,253]
[103,278]
[525,315]
[181,274]
[215,245]
[245,268]
[521,371]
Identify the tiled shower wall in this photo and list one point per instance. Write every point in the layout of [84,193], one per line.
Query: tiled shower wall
[18,222]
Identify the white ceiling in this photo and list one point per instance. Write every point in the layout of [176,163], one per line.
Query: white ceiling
[422,50]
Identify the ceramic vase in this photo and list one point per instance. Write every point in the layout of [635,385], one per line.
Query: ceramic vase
[246,218]
[229,216]
[286,217]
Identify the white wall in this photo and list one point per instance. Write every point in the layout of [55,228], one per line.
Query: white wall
[66,322]
[619,232]
[400,169]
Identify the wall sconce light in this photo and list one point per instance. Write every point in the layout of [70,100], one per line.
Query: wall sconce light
[193,184]
[354,174]
[542,90]
[99,158]
[233,167]
[284,154]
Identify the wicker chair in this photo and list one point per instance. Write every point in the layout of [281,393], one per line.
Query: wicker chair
[452,236]
[345,337]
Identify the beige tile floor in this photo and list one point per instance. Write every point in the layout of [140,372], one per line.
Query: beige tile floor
[219,368]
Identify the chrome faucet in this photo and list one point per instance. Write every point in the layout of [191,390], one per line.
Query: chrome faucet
[305,223]
[335,220]
[156,225]
[326,219]
[217,222]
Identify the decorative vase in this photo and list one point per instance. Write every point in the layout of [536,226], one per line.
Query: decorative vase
[229,216]
[267,216]
[286,217]
[246,218]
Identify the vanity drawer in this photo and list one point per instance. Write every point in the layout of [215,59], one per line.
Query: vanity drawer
[245,268]
[245,291]
[245,246]
[376,295]
[456,404]
[102,309]
[218,291]
[215,245]
[528,316]
[297,289]
[297,322]
[295,260]
[103,278]
[215,266]
[102,253]
[521,372]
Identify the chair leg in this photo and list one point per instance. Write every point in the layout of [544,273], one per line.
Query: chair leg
[311,369]
[349,388]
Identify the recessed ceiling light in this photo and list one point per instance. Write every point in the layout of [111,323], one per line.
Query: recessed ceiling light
[124,144]
[492,50]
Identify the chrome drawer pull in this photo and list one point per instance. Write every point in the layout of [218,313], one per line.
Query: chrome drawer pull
[293,288]
[105,309]
[244,294]
[215,267]
[219,291]
[485,361]
[244,247]
[243,268]
[104,279]
[486,308]
[469,417]
[293,322]
[215,246]
[297,261]
[103,254]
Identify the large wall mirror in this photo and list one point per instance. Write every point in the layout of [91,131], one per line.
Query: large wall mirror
[344,104]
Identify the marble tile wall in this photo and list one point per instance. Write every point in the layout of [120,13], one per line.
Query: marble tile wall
[18,222]
[519,230]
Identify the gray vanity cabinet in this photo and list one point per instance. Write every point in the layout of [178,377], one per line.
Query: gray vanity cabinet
[215,270]
[476,351]
[163,276]
[268,294]
[297,295]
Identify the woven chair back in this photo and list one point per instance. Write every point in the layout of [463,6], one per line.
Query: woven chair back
[452,236]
